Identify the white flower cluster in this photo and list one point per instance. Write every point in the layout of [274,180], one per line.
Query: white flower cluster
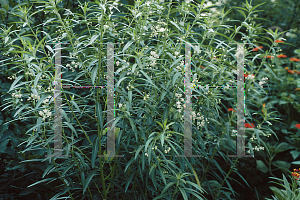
[158,28]
[181,65]
[250,77]
[33,96]
[75,65]
[153,57]
[155,148]
[201,121]
[17,95]
[49,89]
[167,150]
[129,87]
[12,77]
[234,133]
[146,97]
[28,73]
[47,100]
[227,86]
[200,118]
[74,55]
[195,80]
[45,113]
[263,81]
[256,148]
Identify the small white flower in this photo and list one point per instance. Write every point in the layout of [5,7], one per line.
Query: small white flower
[162,29]
[48,114]
[117,63]
[106,26]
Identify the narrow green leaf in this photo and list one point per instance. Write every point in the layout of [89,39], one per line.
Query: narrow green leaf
[119,82]
[94,74]
[48,170]
[14,83]
[88,179]
[37,79]
[133,128]
[94,152]
[41,181]
[175,78]
[61,193]
[129,181]
[128,164]
[72,128]
[130,96]
[50,49]
[176,26]
[260,165]
[20,109]
[40,101]
[159,124]
[183,193]
[67,169]
[76,106]
[94,37]
[99,114]
[149,79]
[167,187]
[126,46]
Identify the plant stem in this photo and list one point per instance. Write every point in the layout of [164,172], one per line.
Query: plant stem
[226,177]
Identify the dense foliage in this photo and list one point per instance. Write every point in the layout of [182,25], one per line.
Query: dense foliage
[150,100]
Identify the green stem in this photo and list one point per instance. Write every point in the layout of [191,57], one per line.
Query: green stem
[174,192]
[226,178]
[215,150]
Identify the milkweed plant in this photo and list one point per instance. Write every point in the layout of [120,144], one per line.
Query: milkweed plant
[149,69]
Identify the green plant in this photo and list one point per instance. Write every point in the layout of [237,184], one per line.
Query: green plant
[149,73]
[290,191]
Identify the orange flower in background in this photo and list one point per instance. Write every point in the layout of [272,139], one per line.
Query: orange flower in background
[257,48]
[298,72]
[297,126]
[297,89]
[202,67]
[269,56]
[264,108]
[281,56]
[286,68]
[247,125]
[231,109]
[291,71]
[278,41]
[295,70]
[295,59]
[295,174]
